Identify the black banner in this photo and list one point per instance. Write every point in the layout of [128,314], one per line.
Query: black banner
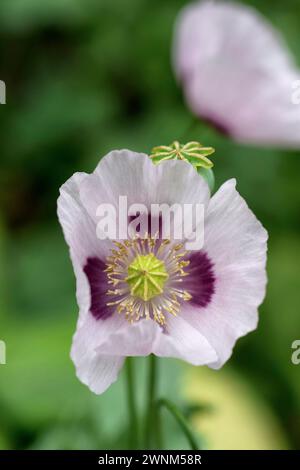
[134,459]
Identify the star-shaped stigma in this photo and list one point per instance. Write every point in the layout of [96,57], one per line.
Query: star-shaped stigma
[192,152]
[146,276]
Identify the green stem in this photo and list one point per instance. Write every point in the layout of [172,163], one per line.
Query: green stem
[172,408]
[151,420]
[133,424]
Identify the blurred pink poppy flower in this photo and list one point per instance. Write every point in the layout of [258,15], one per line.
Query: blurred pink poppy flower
[197,303]
[237,73]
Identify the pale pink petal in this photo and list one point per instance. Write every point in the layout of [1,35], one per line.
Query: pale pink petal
[179,340]
[132,339]
[80,234]
[236,243]
[131,174]
[97,371]
[185,342]
[78,227]
[117,337]
[237,72]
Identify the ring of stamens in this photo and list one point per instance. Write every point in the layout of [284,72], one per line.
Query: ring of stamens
[145,275]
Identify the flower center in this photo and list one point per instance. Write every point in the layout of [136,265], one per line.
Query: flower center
[138,271]
[146,276]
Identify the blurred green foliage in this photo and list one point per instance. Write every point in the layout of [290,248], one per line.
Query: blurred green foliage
[84,77]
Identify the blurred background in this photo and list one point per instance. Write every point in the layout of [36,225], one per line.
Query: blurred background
[84,77]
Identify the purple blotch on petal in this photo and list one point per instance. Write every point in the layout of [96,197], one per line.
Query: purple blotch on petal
[200,282]
[97,277]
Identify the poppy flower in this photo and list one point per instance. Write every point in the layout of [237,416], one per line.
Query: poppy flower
[237,73]
[139,296]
